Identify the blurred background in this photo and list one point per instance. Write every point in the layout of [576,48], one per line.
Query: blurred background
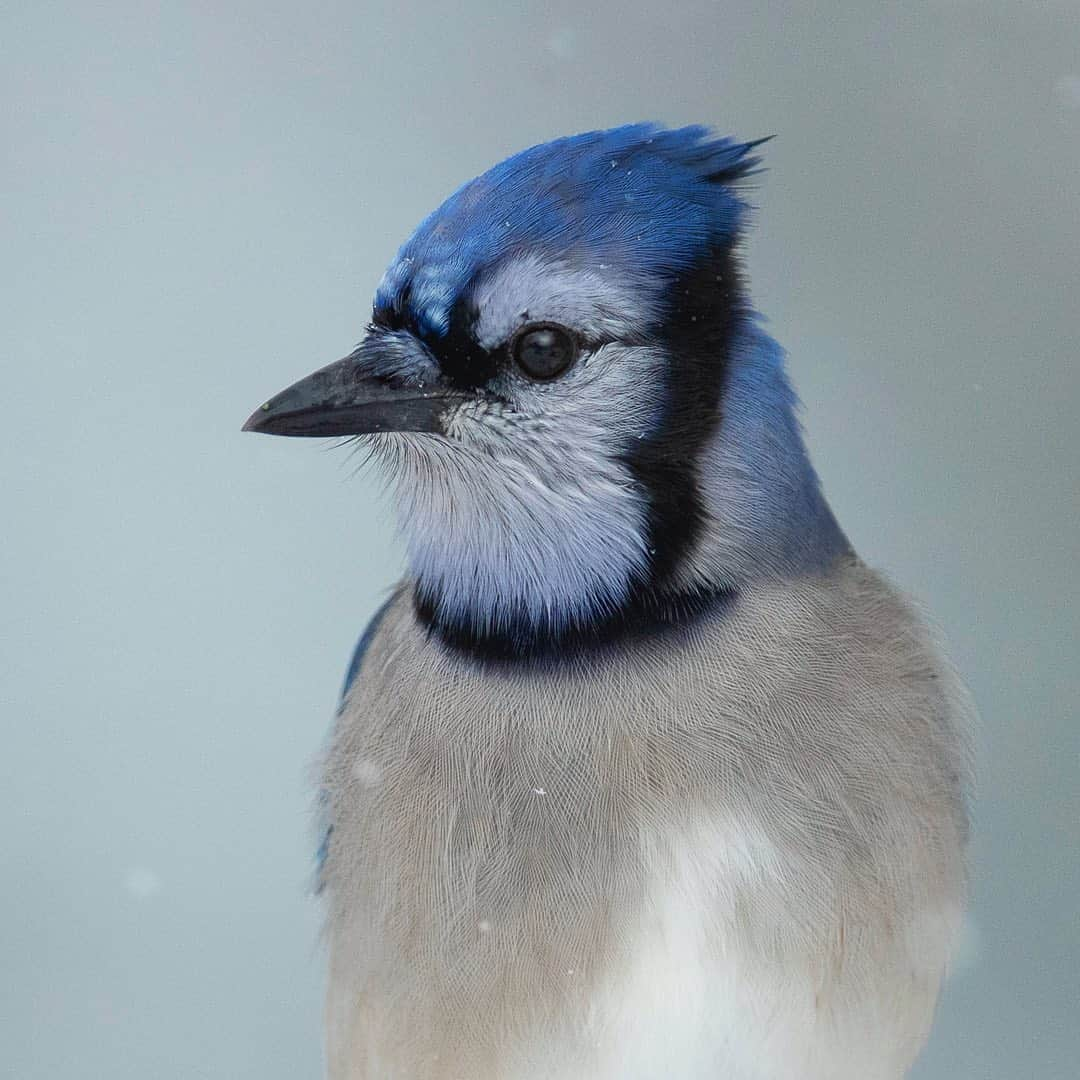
[197,202]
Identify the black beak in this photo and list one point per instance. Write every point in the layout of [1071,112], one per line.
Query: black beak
[344,399]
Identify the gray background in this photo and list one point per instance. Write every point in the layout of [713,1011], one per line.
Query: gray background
[198,200]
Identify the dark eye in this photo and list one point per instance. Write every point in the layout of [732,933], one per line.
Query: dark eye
[543,350]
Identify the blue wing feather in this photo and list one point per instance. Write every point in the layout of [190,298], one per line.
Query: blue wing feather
[362,647]
[327,826]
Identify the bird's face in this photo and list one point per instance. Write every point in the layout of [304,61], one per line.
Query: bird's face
[543,364]
[554,381]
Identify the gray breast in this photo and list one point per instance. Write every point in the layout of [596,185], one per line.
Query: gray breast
[495,830]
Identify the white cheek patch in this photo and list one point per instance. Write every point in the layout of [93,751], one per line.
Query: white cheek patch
[589,300]
[530,509]
[606,401]
[494,537]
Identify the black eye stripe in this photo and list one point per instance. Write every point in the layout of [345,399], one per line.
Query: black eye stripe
[543,351]
[464,362]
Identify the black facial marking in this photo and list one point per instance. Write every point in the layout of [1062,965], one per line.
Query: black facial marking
[465,364]
[696,329]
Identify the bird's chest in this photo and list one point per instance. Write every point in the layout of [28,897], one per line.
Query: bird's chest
[541,937]
[522,880]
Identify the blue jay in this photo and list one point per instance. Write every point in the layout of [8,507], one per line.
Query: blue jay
[640,773]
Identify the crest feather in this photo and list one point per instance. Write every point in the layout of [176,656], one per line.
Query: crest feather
[639,200]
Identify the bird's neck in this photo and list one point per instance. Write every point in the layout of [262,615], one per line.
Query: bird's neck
[754,512]
[765,513]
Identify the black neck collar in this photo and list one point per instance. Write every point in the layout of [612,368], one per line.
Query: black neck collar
[517,642]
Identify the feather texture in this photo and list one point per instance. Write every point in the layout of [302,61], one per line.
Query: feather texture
[640,197]
[736,855]
[646,774]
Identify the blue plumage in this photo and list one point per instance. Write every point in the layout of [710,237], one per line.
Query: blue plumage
[646,199]
[325,825]
[362,647]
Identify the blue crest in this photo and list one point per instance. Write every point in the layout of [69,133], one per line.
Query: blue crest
[641,197]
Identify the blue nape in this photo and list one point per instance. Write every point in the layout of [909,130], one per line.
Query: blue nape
[637,198]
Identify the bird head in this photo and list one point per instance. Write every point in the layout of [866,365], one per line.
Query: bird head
[544,374]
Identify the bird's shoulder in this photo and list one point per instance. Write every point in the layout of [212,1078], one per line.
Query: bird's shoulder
[363,646]
[356,663]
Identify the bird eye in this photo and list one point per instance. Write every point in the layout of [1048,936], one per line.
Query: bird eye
[543,350]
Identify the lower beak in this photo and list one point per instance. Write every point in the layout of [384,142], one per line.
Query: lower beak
[341,399]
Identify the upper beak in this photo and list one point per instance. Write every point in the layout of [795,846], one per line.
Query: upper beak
[344,399]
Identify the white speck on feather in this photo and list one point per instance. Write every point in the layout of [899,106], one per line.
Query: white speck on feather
[366,772]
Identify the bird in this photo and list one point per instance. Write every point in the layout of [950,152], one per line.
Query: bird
[640,771]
